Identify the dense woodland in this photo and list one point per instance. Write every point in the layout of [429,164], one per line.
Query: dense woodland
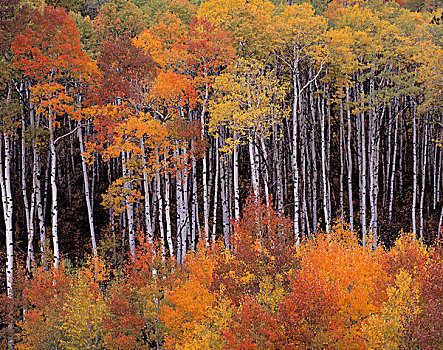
[221,174]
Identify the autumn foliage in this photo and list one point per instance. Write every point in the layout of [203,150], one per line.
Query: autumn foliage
[165,105]
[332,293]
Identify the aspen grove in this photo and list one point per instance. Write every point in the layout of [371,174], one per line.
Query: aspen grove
[221,174]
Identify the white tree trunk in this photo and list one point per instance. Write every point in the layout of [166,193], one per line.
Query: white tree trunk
[54,203]
[147,206]
[314,163]
[217,170]
[224,196]
[254,167]
[195,210]
[342,163]
[87,192]
[168,214]
[205,169]
[235,180]
[423,177]
[323,167]
[349,161]
[23,178]
[414,170]
[30,252]
[294,163]
[129,205]
[264,169]
[392,174]
[160,217]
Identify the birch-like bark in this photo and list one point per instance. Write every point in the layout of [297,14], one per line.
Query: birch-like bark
[195,217]
[392,174]
[168,213]
[179,218]
[294,161]
[278,169]
[423,176]
[363,182]
[160,217]
[30,251]
[23,178]
[235,180]
[349,160]
[254,167]
[375,120]
[205,168]
[54,203]
[435,175]
[401,155]
[342,163]
[185,210]
[111,216]
[217,170]
[387,173]
[414,170]
[314,163]
[46,188]
[264,170]
[5,185]
[129,205]
[87,193]
[439,170]
[147,206]
[305,179]
[323,168]
[39,205]
[224,196]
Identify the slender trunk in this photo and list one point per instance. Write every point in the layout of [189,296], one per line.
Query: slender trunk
[323,167]
[111,217]
[205,168]
[87,193]
[401,160]
[392,175]
[217,170]
[414,170]
[224,196]
[195,211]
[147,206]
[23,178]
[440,161]
[185,209]
[54,203]
[294,161]
[160,217]
[235,180]
[179,210]
[5,185]
[129,204]
[30,252]
[363,181]
[342,164]
[349,159]
[436,166]
[264,169]
[168,213]
[305,178]
[423,177]
[278,169]
[46,188]
[313,162]
[254,167]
